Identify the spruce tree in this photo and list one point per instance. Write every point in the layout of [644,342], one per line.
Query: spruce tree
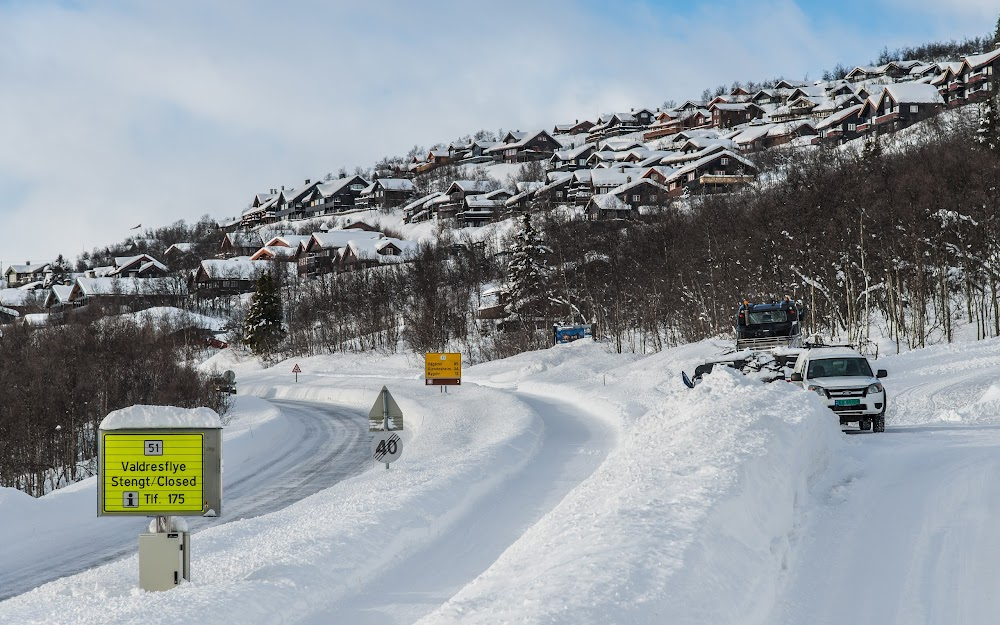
[526,291]
[988,134]
[263,330]
[59,274]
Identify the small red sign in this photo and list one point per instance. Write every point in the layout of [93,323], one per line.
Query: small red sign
[296,368]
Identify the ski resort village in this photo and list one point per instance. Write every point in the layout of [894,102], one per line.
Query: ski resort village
[601,355]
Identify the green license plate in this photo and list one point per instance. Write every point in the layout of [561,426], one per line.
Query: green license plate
[847,402]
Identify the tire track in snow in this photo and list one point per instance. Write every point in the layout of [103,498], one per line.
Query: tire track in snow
[573,447]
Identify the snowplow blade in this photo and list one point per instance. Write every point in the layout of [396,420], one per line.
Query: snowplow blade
[768,342]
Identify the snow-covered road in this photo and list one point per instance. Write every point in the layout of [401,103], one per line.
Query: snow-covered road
[572,446]
[908,536]
[320,445]
[572,486]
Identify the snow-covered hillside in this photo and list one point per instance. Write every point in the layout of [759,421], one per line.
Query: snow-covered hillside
[575,486]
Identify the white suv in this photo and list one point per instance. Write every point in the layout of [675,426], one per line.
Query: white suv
[843,378]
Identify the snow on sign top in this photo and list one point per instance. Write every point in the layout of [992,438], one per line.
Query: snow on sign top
[142,417]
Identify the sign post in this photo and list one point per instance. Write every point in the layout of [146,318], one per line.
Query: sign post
[443,369]
[161,462]
[386,446]
[296,370]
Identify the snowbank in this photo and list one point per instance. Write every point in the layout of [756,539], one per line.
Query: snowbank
[690,520]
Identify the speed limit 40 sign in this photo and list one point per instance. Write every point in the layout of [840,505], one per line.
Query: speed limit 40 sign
[386,447]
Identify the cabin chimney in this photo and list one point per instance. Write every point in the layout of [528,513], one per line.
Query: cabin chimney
[282,187]
[307,181]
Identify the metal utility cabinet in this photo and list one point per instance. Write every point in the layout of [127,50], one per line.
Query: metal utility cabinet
[164,560]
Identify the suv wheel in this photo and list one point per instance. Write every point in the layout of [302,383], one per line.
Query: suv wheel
[864,424]
[880,419]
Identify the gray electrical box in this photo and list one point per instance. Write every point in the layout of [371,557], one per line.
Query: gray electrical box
[164,560]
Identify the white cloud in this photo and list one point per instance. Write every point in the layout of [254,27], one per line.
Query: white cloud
[113,114]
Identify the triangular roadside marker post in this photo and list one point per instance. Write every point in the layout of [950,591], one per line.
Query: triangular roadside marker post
[385,407]
[296,370]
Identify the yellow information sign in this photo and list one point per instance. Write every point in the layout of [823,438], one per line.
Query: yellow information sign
[443,368]
[152,473]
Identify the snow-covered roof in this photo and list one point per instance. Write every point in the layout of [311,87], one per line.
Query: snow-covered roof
[333,187]
[287,240]
[734,106]
[638,182]
[238,268]
[609,202]
[619,145]
[484,200]
[839,116]
[340,238]
[559,181]
[180,247]
[175,317]
[58,294]
[421,201]
[978,60]
[787,128]
[31,268]
[142,262]
[375,249]
[693,166]
[395,184]
[275,252]
[292,195]
[523,140]
[749,134]
[611,177]
[914,93]
[128,286]
[471,186]
[572,153]
[16,297]
[37,320]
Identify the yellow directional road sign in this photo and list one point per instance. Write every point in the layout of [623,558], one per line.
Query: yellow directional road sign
[152,473]
[443,368]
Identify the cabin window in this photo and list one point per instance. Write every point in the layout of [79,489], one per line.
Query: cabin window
[852,127]
[559,195]
[637,198]
[691,176]
[914,108]
[724,160]
[357,187]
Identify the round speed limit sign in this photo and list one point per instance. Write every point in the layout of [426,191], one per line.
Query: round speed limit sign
[386,447]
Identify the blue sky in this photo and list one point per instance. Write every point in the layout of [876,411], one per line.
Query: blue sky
[114,113]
